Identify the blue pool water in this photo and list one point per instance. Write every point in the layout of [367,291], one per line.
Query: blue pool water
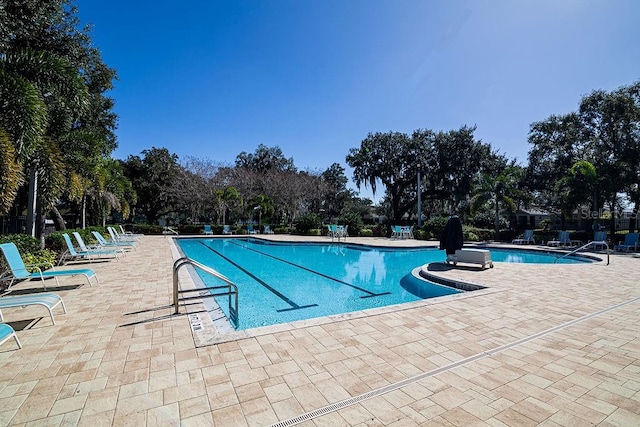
[285,282]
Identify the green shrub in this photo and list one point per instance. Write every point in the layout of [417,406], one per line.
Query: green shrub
[148,229]
[190,229]
[56,243]
[379,230]
[433,227]
[478,234]
[30,251]
[420,234]
[470,236]
[281,230]
[25,243]
[354,222]
[44,259]
[314,232]
[308,221]
[366,232]
[545,224]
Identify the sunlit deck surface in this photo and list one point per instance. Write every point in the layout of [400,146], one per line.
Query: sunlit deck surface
[544,344]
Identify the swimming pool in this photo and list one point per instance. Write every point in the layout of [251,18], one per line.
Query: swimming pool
[284,282]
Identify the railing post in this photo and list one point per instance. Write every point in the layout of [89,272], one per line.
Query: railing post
[176,266]
[584,247]
[232,289]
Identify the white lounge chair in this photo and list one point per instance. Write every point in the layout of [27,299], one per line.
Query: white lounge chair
[630,243]
[98,249]
[110,244]
[19,271]
[6,333]
[72,254]
[136,236]
[526,238]
[563,240]
[47,300]
[116,237]
[599,240]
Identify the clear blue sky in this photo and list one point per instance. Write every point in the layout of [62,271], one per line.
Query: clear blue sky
[214,78]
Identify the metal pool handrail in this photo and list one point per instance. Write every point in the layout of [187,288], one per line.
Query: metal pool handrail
[584,247]
[231,288]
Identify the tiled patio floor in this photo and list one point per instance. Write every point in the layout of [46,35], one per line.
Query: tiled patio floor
[119,358]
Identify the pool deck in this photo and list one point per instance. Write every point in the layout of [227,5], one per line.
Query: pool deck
[555,345]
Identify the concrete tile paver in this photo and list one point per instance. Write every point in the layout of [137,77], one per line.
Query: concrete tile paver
[119,357]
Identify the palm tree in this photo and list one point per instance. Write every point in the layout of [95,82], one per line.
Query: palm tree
[495,190]
[36,89]
[263,204]
[11,176]
[115,189]
[225,197]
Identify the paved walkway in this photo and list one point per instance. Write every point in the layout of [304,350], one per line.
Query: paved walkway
[544,344]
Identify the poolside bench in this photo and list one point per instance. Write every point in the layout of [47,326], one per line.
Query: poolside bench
[48,300]
[471,256]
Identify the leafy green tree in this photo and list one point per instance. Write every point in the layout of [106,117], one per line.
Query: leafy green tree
[448,162]
[631,153]
[263,205]
[583,181]
[225,198]
[334,191]
[153,178]
[557,144]
[495,190]
[265,159]
[611,124]
[39,91]
[391,158]
[52,84]
[307,222]
[354,211]
[110,190]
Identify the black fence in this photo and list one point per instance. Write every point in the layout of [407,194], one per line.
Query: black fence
[12,224]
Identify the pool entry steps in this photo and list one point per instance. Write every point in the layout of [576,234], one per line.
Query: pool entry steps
[229,289]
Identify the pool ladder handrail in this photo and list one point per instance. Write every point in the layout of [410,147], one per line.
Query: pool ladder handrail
[601,242]
[231,288]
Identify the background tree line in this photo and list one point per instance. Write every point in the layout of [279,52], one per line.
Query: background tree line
[587,159]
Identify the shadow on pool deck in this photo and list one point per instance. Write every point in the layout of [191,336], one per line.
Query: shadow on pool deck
[89,370]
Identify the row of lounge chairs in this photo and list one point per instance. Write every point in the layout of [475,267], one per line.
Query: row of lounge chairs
[18,271]
[226,229]
[116,246]
[599,241]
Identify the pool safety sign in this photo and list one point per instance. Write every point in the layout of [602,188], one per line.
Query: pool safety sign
[195,322]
